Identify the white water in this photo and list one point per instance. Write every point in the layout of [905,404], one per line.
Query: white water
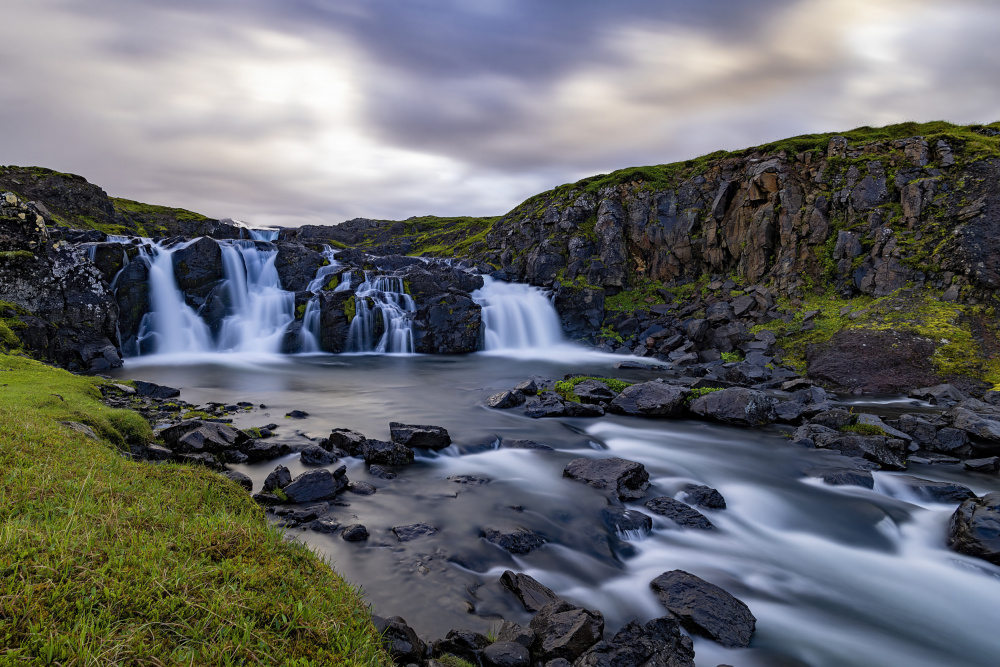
[382,298]
[171,326]
[311,318]
[263,234]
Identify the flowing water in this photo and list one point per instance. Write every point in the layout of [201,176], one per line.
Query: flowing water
[835,575]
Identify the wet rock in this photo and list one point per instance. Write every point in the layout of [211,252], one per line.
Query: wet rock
[512,632]
[681,514]
[950,441]
[515,539]
[200,458]
[529,387]
[463,644]
[198,265]
[361,488]
[158,453]
[424,437]
[355,532]
[835,419]
[582,410]
[932,459]
[650,399]
[279,478]
[844,475]
[532,595]
[736,405]
[259,450]
[875,421]
[240,479]
[938,492]
[626,521]
[447,323]
[314,455]
[920,429]
[381,472]
[505,400]
[157,391]
[325,526]
[398,638]
[547,404]
[789,412]
[704,496]
[316,485]
[380,452]
[472,480]
[506,654]
[349,441]
[594,391]
[973,424]
[564,631]
[989,465]
[413,531]
[705,609]
[941,394]
[194,436]
[889,453]
[974,529]
[296,265]
[657,643]
[628,480]
[517,443]
[297,414]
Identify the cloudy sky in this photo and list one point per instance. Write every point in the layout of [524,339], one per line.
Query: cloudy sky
[316,111]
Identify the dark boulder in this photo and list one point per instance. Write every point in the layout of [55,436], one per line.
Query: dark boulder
[157,391]
[505,400]
[650,399]
[515,539]
[657,643]
[240,479]
[314,455]
[594,391]
[413,531]
[626,522]
[355,532]
[198,266]
[193,436]
[704,496]
[472,480]
[512,632]
[532,595]
[744,407]
[399,639]
[564,631]
[296,265]
[380,452]
[336,310]
[975,425]
[316,485]
[265,450]
[361,488]
[344,439]
[681,514]
[889,453]
[975,528]
[518,443]
[937,492]
[278,478]
[448,323]
[546,404]
[381,472]
[506,654]
[705,609]
[989,465]
[626,479]
[415,435]
[464,644]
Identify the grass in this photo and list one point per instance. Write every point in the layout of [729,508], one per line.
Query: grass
[863,429]
[565,388]
[107,561]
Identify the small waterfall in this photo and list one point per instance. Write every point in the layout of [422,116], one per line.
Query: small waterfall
[517,317]
[260,309]
[263,234]
[171,326]
[311,318]
[381,303]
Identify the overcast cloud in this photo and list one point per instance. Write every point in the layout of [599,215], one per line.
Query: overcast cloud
[311,111]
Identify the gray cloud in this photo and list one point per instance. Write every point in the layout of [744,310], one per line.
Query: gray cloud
[314,111]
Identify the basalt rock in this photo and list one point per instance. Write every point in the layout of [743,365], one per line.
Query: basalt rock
[627,480]
[296,265]
[705,608]
[650,399]
[975,528]
[419,436]
[316,485]
[656,643]
[448,323]
[532,595]
[398,638]
[681,514]
[380,452]
[564,631]
[514,539]
[744,407]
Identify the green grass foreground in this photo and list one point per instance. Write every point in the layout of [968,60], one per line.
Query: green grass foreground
[104,561]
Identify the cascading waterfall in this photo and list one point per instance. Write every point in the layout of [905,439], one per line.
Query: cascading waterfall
[171,326]
[517,317]
[263,234]
[311,319]
[382,297]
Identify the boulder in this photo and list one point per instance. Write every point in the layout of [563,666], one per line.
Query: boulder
[278,478]
[413,531]
[240,479]
[705,609]
[424,437]
[532,595]
[296,265]
[203,437]
[344,439]
[517,443]
[316,485]
[745,407]
[314,455]
[704,496]
[938,394]
[656,643]
[594,391]
[937,492]
[973,424]
[505,400]
[650,399]
[472,480]
[198,265]
[447,323]
[157,391]
[625,522]
[626,479]
[512,632]
[262,450]
[380,452]
[336,310]
[506,654]
[547,404]
[515,539]
[564,631]
[355,532]
[889,453]
[464,644]
[989,465]
[399,639]
[381,472]
[681,514]
[361,488]
[974,529]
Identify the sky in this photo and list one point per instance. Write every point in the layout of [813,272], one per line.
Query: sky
[290,112]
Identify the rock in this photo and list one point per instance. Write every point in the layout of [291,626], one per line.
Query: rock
[875,421]
[158,453]
[681,514]
[564,631]
[361,488]
[325,526]
[512,632]
[279,478]
[198,265]
[532,595]
[705,496]
[950,441]
[194,435]
[472,480]
[413,531]
[350,441]
[919,428]
[650,399]
[889,453]
[932,459]
[582,410]
[835,419]
[296,265]
[872,361]
[843,475]
[736,405]
[625,522]
[399,639]
[657,643]
[355,532]
[529,387]
[240,479]
[297,414]
[515,539]
[506,654]
[201,458]
[316,485]
[157,391]
[314,455]
[789,412]
[447,323]
[425,437]
[517,443]
[594,391]
[463,644]
[381,472]
[548,404]
[628,480]
[989,465]
[265,451]
[973,424]
[705,609]
[975,528]
[505,400]
[381,452]
[938,492]
[938,394]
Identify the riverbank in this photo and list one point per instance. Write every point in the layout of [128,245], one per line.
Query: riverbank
[108,560]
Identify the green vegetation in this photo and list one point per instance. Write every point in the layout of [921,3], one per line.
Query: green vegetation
[863,429]
[698,392]
[332,284]
[449,660]
[13,255]
[350,308]
[10,323]
[635,299]
[434,236]
[565,388]
[730,357]
[108,561]
[608,333]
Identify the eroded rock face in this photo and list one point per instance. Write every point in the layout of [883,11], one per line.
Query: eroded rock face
[975,528]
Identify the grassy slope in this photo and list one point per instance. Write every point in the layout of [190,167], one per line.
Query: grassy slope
[106,561]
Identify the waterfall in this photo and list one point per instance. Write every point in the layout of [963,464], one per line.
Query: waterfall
[171,326]
[517,317]
[310,335]
[263,234]
[381,303]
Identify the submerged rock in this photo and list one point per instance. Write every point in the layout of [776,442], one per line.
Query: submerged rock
[380,452]
[705,608]
[415,435]
[413,531]
[515,539]
[532,595]
[628,480]
[745,407]
[681,514]
[650,399]
[505,400]
[974,529]
[705,496]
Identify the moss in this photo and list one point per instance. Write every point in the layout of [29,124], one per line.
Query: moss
[14,255]
[565,388]
[635,299]
[332,284]
[698,392]
[300,311]
[608,333]
[863,429]
[730,357]
[350,308]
